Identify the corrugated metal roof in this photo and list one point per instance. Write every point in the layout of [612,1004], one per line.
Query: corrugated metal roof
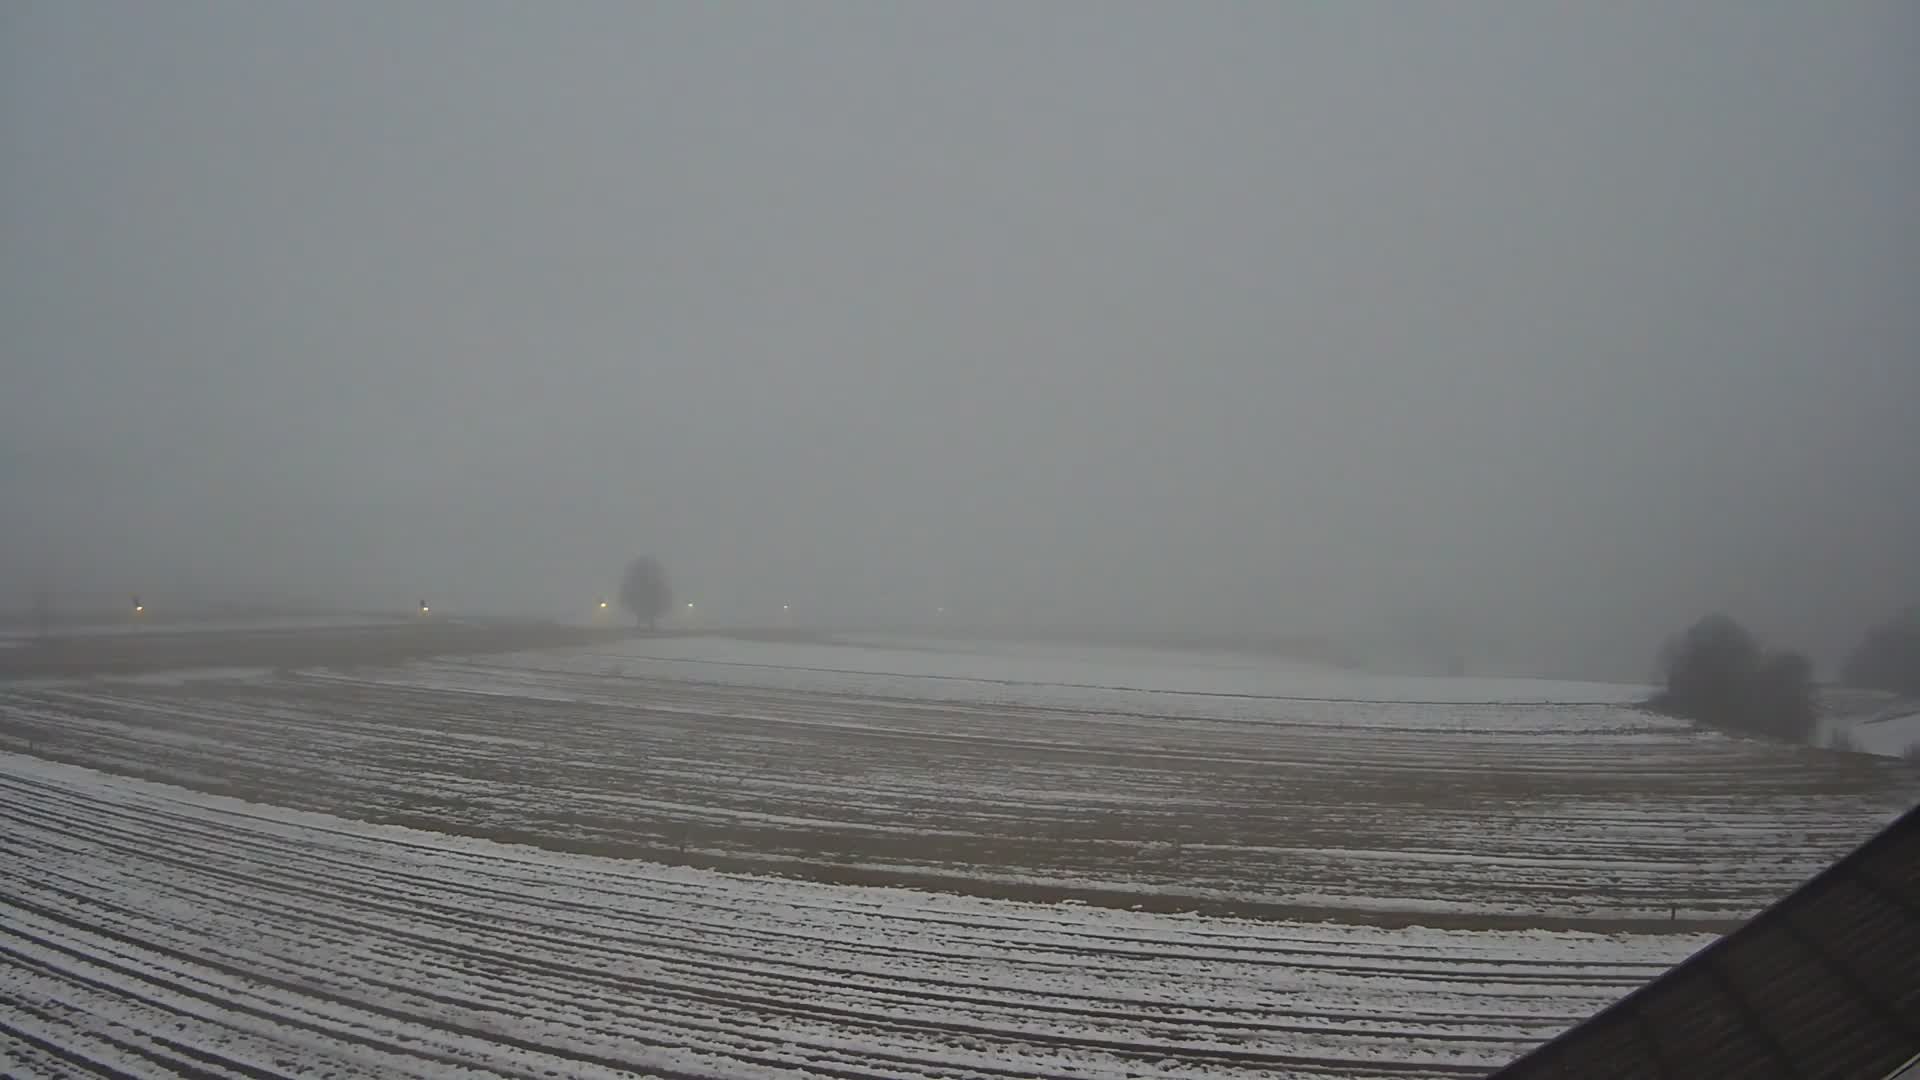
[1825,983]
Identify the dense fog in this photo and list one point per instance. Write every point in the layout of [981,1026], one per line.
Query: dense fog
[1530,331]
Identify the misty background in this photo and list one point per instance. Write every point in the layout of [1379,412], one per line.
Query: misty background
[1543,329]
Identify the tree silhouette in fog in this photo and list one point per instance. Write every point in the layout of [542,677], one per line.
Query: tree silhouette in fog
[1888,658]
[1717,673]
[645,592]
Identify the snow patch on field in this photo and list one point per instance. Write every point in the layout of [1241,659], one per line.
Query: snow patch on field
[1875,722]
[1890,736]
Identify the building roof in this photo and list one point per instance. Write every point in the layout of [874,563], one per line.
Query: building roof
[1825,983]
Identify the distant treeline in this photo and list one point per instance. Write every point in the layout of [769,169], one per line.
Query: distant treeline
[1718,673]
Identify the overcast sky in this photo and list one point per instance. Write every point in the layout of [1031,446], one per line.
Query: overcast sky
[1558,323]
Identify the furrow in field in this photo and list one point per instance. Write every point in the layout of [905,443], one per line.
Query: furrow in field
[923,992]
[145,886]
[298,862]
[1270,803]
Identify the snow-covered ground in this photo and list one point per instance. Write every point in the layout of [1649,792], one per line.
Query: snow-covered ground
[1871,722]
[933,767]
[1443,871]
[152,930]
[1046,664]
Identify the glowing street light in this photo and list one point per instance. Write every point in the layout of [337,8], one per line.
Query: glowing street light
[138,607]
[424,608]
[603,605]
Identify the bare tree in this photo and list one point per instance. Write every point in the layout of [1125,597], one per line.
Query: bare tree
[645,592]
[1707,669]
[1717,673]
[1888,657]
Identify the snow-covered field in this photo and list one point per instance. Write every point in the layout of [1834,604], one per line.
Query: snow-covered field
[152,929]
[1897,733]
[1872,722]
[1034,777]
[1098,862]
[1026,669]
